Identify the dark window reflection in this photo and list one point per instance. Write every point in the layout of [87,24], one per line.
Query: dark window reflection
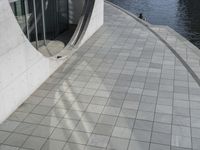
[19,11]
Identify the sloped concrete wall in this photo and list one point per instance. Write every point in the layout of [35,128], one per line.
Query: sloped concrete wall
[22,68]
[96,21]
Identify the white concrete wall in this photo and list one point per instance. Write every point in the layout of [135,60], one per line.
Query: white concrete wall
[22,68]
[96,20]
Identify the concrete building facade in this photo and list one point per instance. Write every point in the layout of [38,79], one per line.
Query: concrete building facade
[27,26]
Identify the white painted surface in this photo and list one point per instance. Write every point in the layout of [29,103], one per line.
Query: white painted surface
[22,68]
[96,20]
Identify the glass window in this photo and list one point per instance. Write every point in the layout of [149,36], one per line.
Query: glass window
[41,20]
[19,11]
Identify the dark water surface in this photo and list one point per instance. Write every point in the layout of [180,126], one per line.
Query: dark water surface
[181,15]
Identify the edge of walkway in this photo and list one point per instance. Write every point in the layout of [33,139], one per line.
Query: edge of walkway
[191,68]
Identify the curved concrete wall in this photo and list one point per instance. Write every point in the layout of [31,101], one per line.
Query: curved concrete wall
[96,20]
[22,68]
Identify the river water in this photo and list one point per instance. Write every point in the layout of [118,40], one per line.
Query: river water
[181,15]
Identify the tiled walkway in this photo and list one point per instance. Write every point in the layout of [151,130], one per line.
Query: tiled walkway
[123,90]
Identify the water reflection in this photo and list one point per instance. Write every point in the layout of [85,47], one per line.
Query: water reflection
[181,15]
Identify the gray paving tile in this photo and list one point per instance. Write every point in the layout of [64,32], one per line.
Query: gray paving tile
[41,93]
[147,107]
[16,139]
[143,125]
[95,108]
[195,122]
[125,122]
[164,109]
[43,131]
[106,119]
[133,97]
[60,134]
[99,100]
[74,115]
[163,118]
[159,147]
[136,145]
[93,148]
[41,110]
[119,95]
[33,118]
[181,120]
[48,102]
[129,113]
[90,117]
[117,144]
[6,147]
[98,140]
[26,108]
[67,124]
[181,131]
[121,132]
[63,104]
[180,141]
[103,129]
[196,132]
[115,103]
[25,128]
[181,103]
[74,146]
[85,126]
[3,136]
[18,116]
[195,143]
[108,110]
[180,148]
[141,135]
[9,125]
[144,115]
[161,138]
[50,121]
[162,128]
[181,111]
[57,112]
[84,98]
[79,137]
[34,143]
